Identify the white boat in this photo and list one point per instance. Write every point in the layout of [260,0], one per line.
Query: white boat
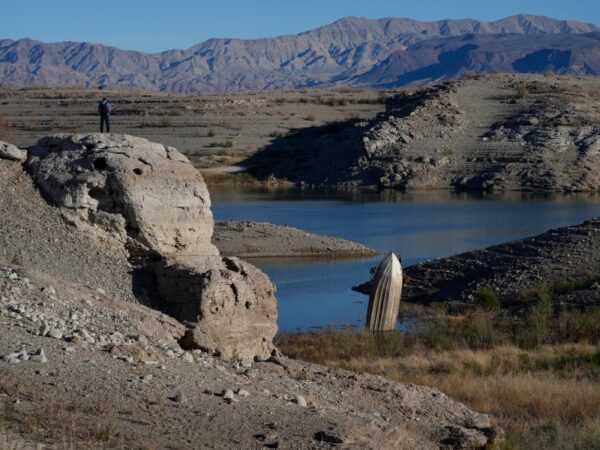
[384,299]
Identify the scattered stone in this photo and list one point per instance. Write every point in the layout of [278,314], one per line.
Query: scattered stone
[11,359]
[146,378]
[55,333]
[39,356]
[187,357]
[180,398]
[228,395]
[300,400]
[243,393]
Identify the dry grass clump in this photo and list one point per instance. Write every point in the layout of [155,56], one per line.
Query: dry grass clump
[68,424]
[537,375]
[229,179]
[75,424]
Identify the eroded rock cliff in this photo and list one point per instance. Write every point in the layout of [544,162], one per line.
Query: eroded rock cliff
[151,199]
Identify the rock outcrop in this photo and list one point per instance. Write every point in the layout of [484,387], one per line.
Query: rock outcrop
[563,261]
[149,197]
[11,152]
[490,133]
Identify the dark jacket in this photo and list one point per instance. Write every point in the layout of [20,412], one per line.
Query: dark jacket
[104,108]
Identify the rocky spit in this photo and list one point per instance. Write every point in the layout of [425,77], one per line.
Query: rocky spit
[262,240]
[514,269]
[485,133]
[98,243]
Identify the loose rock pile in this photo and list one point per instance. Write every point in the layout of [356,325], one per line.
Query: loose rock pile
[568,254]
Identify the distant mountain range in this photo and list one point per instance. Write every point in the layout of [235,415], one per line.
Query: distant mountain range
[350,52]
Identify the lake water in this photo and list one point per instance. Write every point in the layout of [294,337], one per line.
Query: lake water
[314,293]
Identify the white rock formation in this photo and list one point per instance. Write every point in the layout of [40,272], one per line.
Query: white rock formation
[11,152]
[151,197]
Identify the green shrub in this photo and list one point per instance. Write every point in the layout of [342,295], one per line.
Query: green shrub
[538,323]
[487,298]
[226,144]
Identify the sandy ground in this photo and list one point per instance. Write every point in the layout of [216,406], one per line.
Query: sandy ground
[212,130]
[259,240]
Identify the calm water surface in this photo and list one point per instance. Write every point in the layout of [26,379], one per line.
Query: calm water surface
[315,293]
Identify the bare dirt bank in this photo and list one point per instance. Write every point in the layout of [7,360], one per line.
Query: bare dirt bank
[259,240]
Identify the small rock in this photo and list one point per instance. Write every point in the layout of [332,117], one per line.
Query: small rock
[180,398]
[11,152]
[228,395]
[44,330]
[55,333]
[243,393]
[187,357]
[39,356]
[11,359]
[49,291]
[142,340]
[301,401]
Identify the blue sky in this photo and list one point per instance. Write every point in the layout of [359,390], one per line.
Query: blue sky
[155,25]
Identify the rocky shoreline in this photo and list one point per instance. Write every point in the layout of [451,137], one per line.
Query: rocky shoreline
[122,326]
[263,240]
[114,372]
[563,261]
[486,133]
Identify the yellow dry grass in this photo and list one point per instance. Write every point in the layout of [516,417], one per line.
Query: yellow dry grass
[547,398]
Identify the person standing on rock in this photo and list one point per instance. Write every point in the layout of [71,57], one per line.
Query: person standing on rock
[104,108]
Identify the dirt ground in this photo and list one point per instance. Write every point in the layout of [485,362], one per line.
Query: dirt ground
[211,130]
[260,240]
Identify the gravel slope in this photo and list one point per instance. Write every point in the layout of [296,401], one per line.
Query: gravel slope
[36,235]
[514,268]
[115,377]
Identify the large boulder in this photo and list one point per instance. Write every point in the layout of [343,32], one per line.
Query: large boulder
[11,152]
[160,198]
[151,197]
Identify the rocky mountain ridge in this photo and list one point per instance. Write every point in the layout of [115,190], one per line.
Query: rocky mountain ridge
[348,52]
